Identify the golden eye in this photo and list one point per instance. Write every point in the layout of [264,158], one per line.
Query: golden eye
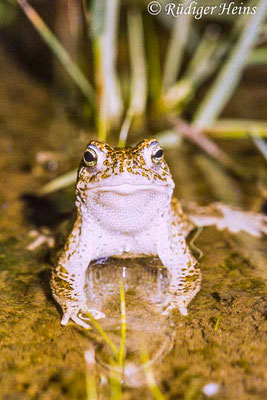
[157,154]
[90,157]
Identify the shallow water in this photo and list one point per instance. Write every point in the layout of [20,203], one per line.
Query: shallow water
[220,341]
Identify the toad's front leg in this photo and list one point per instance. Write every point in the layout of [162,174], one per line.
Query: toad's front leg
[184,272]
[68,278]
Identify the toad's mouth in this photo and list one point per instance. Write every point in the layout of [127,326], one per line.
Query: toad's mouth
[127,188]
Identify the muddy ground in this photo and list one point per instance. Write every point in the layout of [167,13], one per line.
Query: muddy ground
[222,338]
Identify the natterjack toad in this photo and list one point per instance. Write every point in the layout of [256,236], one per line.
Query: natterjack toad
[125,206]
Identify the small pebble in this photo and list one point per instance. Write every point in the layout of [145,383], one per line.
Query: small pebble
[210,389]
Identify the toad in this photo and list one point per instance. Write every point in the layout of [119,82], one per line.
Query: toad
[125,207]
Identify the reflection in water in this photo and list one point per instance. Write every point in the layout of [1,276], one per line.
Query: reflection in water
[145,277]
[145,283]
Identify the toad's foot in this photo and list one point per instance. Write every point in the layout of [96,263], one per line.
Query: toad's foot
[236,220]
[171,307]
[79,314]
[226,217]
[174,302]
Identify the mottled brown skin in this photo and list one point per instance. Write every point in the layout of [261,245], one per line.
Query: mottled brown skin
[125,207]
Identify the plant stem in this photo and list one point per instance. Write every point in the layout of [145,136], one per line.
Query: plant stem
[137,59]
[98,12]
[179,35]
[104,32]
[125,129]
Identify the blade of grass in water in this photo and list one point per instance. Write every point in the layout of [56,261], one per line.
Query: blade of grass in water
[217,324]
[123,326]
[91,391]
[151,382]
[230,74]
[115,383]
[104,335]
[61,54]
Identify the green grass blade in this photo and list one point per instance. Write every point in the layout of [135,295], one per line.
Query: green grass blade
[104,335]
[91,390]
[123,326]
[59,183]
[217,324]
[115,383]
[151,382]
[201,63]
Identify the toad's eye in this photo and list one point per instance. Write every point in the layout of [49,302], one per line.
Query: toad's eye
[157,155]
[90,157]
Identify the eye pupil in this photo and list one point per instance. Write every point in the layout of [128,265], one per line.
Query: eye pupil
[90,158]
[159,153]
